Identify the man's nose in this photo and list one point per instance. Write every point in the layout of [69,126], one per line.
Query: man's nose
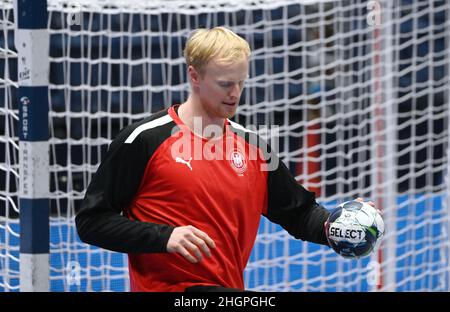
[235,91]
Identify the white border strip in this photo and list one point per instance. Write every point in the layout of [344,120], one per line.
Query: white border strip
[149,125]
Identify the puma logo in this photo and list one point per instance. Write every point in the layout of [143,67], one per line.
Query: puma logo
[182,161]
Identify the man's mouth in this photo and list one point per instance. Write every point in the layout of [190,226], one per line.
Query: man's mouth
[229,103]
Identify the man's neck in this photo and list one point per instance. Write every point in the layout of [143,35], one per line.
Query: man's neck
[197,119]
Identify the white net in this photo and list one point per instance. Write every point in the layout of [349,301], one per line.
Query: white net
[362,100]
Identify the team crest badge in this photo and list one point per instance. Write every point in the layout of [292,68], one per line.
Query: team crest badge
[238,162]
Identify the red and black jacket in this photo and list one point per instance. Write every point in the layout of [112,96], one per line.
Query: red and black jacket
[154,179]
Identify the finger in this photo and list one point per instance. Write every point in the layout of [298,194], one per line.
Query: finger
[205,237]
[371,204]
[185,253]
[202,244]
[194,249]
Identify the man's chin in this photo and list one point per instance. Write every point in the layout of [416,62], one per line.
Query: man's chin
[229,116]
[229,113]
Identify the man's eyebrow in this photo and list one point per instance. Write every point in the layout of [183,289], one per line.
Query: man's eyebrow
[231,80]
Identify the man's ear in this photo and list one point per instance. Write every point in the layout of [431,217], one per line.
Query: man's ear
[194,75]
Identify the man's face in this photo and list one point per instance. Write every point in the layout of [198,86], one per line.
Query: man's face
[220,86]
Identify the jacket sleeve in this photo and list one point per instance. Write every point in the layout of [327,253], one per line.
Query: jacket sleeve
[293,207]
[100,221]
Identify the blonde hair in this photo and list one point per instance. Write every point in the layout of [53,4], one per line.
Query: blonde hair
[220,42]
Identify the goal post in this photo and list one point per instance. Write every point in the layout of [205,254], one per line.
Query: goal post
[361,99]
[384,125]
[32,43]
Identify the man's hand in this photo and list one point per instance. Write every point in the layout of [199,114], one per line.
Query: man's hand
[371,204]
[189,241]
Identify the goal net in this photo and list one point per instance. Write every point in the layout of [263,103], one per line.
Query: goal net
[359,90]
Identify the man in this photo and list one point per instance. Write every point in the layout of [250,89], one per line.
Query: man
[182,192]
